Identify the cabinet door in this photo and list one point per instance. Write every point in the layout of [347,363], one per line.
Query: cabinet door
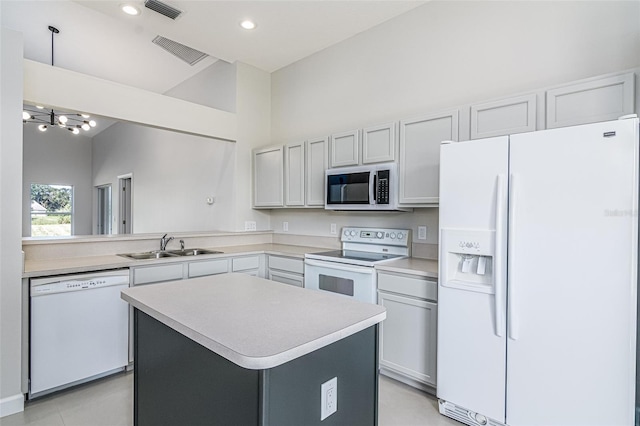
[286,278]
[294,174]
[268,170]
[379,143]
[317,162]
[596,100]
[208,267]
[345,149]
[155,274]
[503,117]
[420,140]
[408,337]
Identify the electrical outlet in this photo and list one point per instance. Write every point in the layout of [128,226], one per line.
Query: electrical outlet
[250,225]
[422,232]
[285,226]
[328,398]
[334,229]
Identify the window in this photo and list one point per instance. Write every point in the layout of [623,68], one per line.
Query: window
[51,210]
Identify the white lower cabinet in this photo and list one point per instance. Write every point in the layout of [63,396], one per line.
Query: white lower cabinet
[157,273]
[285,270]
[408,334]
[250,265]
[208,267]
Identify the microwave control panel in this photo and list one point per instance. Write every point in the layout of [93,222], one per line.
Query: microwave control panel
[382,187]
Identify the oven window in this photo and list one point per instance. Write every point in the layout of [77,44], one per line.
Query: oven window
[336,284]
[349,188]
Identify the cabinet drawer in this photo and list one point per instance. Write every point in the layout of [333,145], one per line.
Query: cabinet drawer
[286,264]
[421,288]
[208,267]
[283,277]
[244,263]
[159,273]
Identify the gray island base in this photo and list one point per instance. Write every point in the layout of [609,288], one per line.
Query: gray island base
[239,350]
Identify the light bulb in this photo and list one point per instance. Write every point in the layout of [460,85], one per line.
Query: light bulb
[75,131]
[85,115]
[42,128]
[247,24]
[130,9]
[39,107]
[92,123]
[60,125]
[85,126]
[25,115]
[63,119]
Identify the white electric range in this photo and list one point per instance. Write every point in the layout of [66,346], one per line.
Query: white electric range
[350,272]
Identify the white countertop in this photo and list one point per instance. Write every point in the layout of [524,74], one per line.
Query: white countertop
[411,265]
[71,265]
[253,322]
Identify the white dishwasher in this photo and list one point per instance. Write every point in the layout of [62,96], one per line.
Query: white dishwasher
[79,329]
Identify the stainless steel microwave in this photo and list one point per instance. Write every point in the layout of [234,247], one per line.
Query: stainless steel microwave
[371,187]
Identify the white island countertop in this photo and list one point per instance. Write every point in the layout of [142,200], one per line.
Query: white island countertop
[253,322]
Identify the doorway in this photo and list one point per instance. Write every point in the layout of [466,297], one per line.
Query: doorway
[103,221]
[125,222]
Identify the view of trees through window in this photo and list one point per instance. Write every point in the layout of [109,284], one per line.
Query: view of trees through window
[51,210]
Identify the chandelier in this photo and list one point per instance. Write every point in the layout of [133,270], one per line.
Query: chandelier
[44,118]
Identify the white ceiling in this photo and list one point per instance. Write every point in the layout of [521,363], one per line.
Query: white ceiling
[96,38]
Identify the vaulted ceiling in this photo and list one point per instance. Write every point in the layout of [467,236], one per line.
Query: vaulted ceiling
[97,38]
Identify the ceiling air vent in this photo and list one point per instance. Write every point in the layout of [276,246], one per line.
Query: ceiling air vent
[186,53]
[162,8]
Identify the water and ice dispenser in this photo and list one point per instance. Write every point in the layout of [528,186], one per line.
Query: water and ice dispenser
[468,258]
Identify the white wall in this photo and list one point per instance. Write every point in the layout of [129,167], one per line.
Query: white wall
[215,86]
[439,56]
[253,112]
[57,157]
[173,174]
[11,50]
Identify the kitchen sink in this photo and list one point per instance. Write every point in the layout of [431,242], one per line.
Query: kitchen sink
[157,254]
[148,255]
[193,252]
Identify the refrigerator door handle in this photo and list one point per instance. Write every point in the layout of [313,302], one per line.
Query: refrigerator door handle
[511,294]
[499,283]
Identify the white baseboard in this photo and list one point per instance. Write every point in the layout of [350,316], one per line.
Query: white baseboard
[11,405]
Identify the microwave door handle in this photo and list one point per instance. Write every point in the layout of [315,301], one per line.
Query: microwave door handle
[372,188]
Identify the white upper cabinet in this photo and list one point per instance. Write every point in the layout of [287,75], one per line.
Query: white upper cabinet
[294,165]
[379,143]
[419,164]
[268,170]
[503,117]
[317,153]
[345,149]
[598,99]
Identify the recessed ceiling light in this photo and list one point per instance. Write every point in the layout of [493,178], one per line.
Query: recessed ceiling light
[130,9]
[248,24]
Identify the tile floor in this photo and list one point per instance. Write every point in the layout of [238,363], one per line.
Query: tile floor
[109,402]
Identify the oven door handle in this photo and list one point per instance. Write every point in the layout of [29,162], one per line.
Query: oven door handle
[341,267]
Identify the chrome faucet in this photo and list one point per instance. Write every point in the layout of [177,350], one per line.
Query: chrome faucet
[182,245]
[164,241]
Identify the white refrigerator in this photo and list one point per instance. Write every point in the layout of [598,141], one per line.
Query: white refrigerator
[537,295]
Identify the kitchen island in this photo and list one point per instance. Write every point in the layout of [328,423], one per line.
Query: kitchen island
[237,349]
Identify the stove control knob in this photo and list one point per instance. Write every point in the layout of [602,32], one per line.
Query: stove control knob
[353,233]
[400,236]
[379,235]
[393,235]
[346,233]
